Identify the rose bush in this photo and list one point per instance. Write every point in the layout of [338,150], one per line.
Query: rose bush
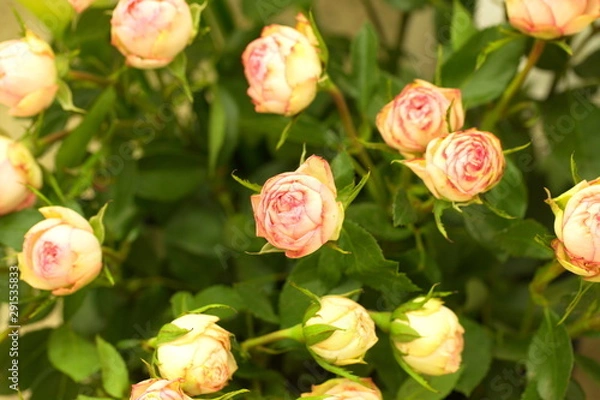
[60,253]
[297,211]
[158,267]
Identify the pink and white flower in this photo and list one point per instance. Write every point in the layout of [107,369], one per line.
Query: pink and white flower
[60,253]
[297,211]
[345,389]
[419,114]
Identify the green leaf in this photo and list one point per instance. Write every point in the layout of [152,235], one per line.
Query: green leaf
[364,64]
[531,392]
[407,5]
[65,98]
[182,302]
[476,356]
[317,333]
[550,358]
[178,68]
[222,295]
[509,196]
[74,147]
[376,221]
[343,169]
[256,301]
[439,206]
[97,223]
[334,369]
[72,355]
[13,227]
[588,68]
[349,193]
[401,332]
[182,231]
[574,170]
[443,385]
[462,27]
[115,378]
[168,333]
[217,123]
[285,133]
[404,212]
[367,264]
[55,14]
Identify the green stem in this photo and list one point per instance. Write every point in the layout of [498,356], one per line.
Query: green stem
[382,319]
[294,333]
[584,325]
[542,279]
[492,118]
[86,76]
[357,147]
[38,305]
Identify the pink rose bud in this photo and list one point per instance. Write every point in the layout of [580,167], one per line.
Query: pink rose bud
[297,211]
[150,33]
[354,336]
[18,169]
[158,389]
[576,225]
[419,114]
[438,350]
[551,19]
[345,389]
[28,76]
[282,68]
[201,358]
[60,253]
[460,166]
[80,5]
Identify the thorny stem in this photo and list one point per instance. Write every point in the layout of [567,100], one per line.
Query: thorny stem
[492,118]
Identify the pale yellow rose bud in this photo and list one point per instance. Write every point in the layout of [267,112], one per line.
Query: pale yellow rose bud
[201,358]
[461,165]
[345,389]
[355,333]
[28,75]
[150,33]
[297,211]
[282,68]
[60,253]
[551,19]
[577,228]
[18,169]
[439,348]
[158,389]
[304,26]
[80,5]
[419,114]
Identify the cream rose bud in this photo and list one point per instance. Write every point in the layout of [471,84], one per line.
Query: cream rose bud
[282,68]
[28,75]
[461,165]
[345,389]
[158,389]
[201,358]
[355,333]
[150,33]
[419,114]
[551,19]
[18,169]
[439,348]
[60,253]
[297,211]
[80,5]
[577,228]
